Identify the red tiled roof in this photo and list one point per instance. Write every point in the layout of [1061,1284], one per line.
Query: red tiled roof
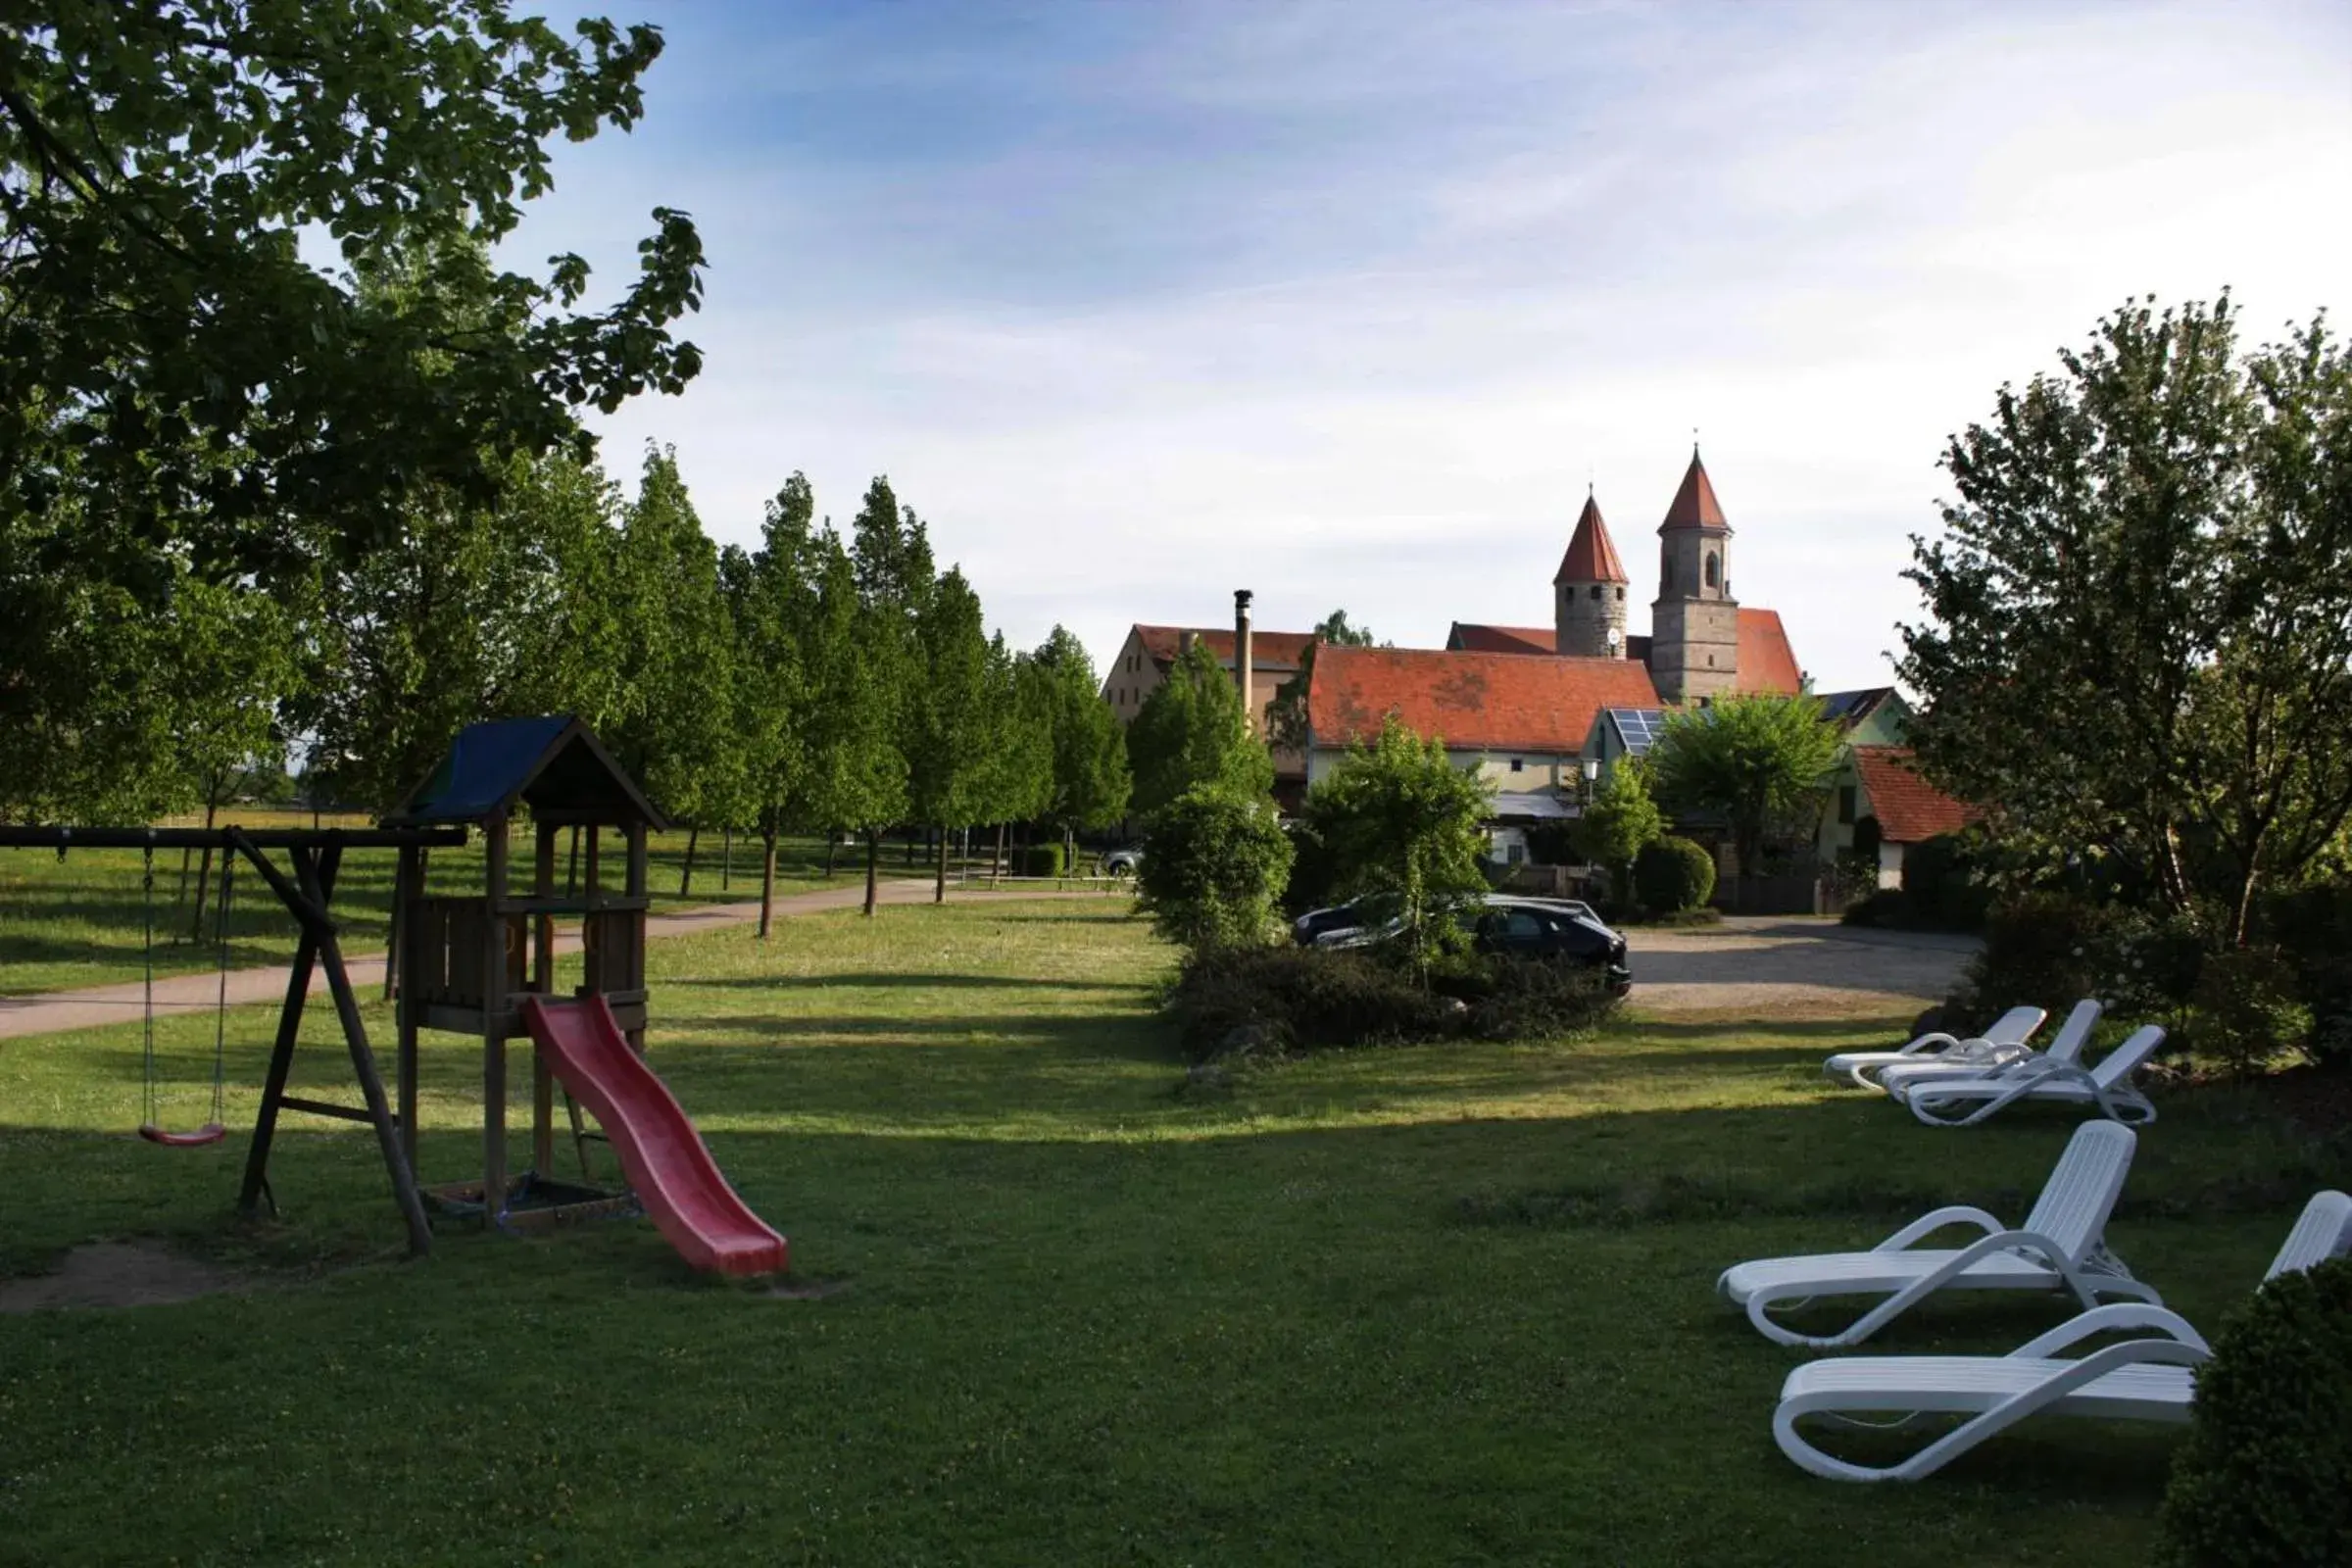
[1592,555]
[1908,808]
[1766,662]
[1474,701]
[1694,505]
[1468,637]
[1268,649]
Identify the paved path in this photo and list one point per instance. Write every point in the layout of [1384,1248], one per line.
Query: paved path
[52,1011]
[1780,967]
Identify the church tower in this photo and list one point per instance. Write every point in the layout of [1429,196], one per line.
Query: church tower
[1694,622]
[1587,596]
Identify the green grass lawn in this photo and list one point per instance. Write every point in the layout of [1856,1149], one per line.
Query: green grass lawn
[79,921]
[1446,1305]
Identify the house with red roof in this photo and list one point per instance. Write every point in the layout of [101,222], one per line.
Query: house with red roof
[1883,806]
[1145,659]
[1526,705]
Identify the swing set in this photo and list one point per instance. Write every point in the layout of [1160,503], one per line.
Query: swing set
[481,964]
[150,1124]
[314,856]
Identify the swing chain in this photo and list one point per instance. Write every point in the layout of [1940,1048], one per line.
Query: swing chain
[148,1102]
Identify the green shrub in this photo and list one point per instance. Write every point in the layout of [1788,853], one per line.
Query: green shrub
[2261,1479]
[2246,1011]
[2042,950]
[1939,874]
[1314,871]
[1041,860]
[1887,908]
[1672,876]
[1530,998]
[1248,1001]
[1553,844]
[2313,928]
[1214,866]
[1236,1000]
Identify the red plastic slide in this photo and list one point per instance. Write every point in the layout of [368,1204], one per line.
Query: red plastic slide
[674,1175]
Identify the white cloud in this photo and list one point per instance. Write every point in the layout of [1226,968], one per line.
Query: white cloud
[1343,304]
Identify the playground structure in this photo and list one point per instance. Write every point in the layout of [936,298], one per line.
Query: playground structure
[483,964]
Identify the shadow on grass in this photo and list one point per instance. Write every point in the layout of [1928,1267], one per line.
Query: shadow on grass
[857,980]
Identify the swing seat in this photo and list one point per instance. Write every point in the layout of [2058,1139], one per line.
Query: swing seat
[211,1132]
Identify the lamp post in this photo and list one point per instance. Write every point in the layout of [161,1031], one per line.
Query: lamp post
[1589,767]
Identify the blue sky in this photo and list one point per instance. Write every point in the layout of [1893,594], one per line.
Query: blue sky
[1346,303]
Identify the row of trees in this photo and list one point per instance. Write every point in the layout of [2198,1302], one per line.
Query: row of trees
[813,683]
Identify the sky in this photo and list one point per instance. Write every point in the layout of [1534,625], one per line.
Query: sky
[1348,302]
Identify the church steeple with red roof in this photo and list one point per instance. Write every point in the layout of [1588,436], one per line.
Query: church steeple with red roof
[1588,591]
[1694,622]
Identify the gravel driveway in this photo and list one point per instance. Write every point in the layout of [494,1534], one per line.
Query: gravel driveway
[1778,966]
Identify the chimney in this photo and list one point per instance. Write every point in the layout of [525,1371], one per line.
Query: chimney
[1243,657]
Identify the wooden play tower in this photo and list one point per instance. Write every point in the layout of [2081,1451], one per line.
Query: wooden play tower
[465,963]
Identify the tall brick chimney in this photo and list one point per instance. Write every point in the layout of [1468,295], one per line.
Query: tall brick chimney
[1243,657]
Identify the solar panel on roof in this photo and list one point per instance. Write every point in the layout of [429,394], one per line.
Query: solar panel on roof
[1639,727]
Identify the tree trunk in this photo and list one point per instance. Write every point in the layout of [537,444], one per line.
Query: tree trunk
[873,863]
[832,849]
[726,858]
[694,836]
[187,858]
[995,868]
[939,888]
[768,880]
[203,868]
[911,847]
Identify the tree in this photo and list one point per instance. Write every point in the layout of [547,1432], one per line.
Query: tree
[1759,760]
[2138,643]
[949,768]
[171,357]
[856,774]
[1214,866]
[1194,730]
[891,556]
[677,735]
[1014,778]
[1619,823]
[1089,784]
[231,658]
[773,608]
[1398,817]
[1286,715]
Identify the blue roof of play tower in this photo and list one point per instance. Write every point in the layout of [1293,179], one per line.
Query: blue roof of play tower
[552,764]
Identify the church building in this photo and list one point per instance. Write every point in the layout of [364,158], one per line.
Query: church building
[1530,706]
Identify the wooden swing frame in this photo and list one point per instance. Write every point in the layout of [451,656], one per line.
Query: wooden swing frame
[317,857]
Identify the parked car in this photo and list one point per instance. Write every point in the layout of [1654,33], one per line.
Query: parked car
[1371,909]
[1123,863]
[1562,928]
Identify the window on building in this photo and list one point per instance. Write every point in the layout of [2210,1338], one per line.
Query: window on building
[1596,591]
[1665,573]
[1517,763]
[1845,804]
[1621,596]
[1516,853]
[1714,571]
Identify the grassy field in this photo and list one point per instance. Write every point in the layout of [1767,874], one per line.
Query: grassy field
[79,921]
[1430,1305]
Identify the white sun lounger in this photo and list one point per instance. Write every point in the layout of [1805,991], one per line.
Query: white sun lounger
[1964,1101]
[2134,1380]
[2005,1039]
[2058,1249]
[2065,1050]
